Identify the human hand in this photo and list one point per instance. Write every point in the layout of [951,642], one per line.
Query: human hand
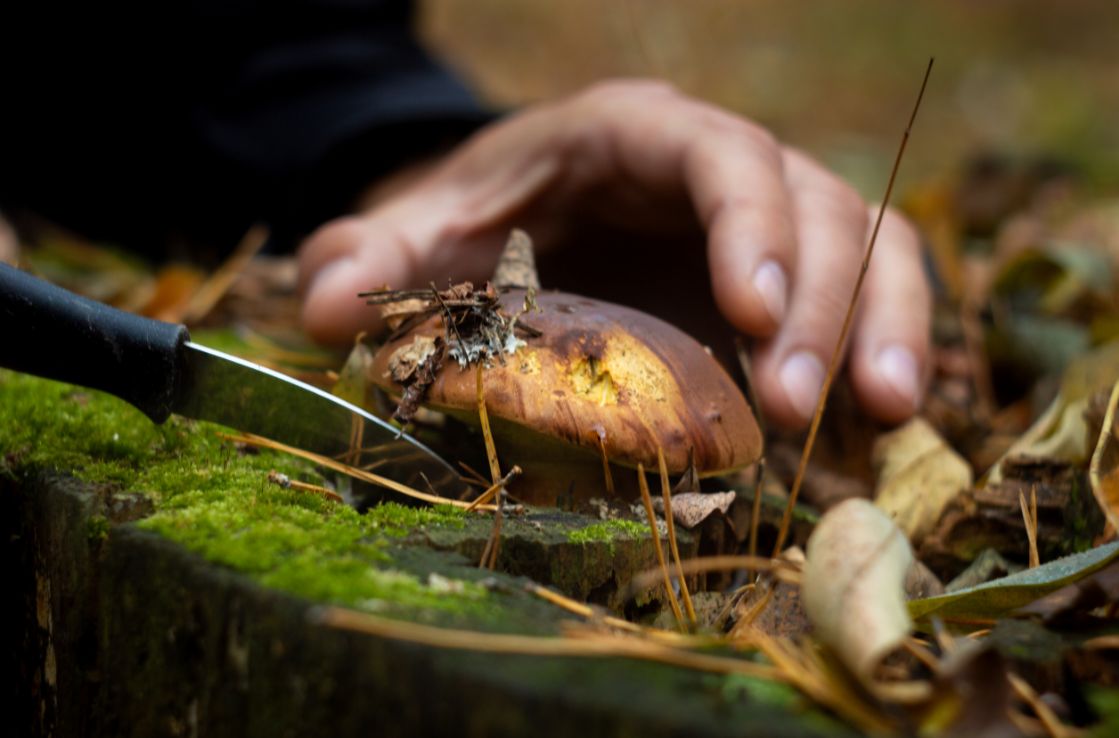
[785,237]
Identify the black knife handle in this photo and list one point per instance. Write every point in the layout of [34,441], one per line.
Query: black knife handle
[53,333]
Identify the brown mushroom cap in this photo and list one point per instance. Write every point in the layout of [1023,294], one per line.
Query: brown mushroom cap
[601,371]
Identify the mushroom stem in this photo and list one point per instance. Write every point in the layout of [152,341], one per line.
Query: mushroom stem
[517,265]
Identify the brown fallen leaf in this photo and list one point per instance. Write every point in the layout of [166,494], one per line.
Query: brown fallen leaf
[1104,469]
[689,509]
[1061,433]
[170,297]
[991,516]
[852,590]
[919,475]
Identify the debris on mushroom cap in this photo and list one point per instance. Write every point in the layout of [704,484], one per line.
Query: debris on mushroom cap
[595,366]
[395,313]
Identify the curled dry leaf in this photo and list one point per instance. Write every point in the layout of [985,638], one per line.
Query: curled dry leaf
[689,509]
[1061,433]
[414,366]
[919,475]
[852,590]
[1104,470]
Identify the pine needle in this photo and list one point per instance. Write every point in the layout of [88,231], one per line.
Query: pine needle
[493,545]
[645,498]
[609,478]
[578,608]
[756,508]
[669,522]
[525,645]
[837,354]
[785,570]
[329,463]
[210,292]
[1029,517]
[1049,720]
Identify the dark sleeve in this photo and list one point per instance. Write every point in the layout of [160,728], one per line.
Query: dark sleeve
[326,102]
[223,113]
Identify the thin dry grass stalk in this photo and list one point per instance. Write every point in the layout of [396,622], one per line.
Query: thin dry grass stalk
[350,471]
[666,493]
[837,354]
[652,516]
[601,646]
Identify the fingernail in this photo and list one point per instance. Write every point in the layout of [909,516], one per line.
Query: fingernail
[771,284]
[898,367]
[329,272]
[802,375]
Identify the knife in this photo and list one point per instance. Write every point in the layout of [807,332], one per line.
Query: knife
[50,332]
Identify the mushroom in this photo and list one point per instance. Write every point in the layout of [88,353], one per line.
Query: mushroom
[591,378]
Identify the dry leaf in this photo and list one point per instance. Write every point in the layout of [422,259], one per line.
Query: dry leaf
[395,313]
[856,565]
[353,383]
[1061,433]
[919,476]
[1103,471]
[689,509]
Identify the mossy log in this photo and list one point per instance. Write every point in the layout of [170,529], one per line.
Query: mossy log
[162,588]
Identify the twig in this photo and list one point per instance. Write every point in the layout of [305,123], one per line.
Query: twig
[825,388]
[492,491]
[670,524]
[645,498]
[283,480]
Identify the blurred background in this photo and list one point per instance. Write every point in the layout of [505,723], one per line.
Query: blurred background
[1028,79]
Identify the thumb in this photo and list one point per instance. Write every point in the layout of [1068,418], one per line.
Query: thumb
[342,258]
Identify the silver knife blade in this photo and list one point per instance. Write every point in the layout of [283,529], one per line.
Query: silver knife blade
[239,394]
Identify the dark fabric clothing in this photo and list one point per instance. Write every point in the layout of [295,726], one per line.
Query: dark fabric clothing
[135,122]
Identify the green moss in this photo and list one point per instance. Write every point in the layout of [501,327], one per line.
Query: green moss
[97,528]
[215,500]
[607,532]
